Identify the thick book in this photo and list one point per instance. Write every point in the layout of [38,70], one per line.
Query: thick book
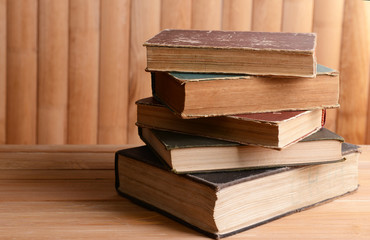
[221,204]
[193,95]
[274,130]
[256,53]
[185,153]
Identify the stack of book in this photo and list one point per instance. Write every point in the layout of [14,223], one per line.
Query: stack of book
[234,131]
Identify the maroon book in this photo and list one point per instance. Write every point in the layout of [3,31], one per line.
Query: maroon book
[259,53]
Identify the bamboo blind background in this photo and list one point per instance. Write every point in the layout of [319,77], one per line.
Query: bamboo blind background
[71,70]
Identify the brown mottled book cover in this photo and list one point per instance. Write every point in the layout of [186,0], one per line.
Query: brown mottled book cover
[272,41]
[259,53]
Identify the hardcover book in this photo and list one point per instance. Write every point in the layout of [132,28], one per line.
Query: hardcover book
[221,204]
[193,95]
[273,130]
[256,53]
[188,153]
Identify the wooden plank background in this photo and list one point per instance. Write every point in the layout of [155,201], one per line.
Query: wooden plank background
[52,64]
[2,71]
[21,64]
[71,70]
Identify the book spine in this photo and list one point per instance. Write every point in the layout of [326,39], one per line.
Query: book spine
[116,172]
[323,118]
[152,77]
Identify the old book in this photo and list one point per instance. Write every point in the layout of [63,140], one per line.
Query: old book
[274,130]
[188,153]
[220,204]
[256,53]
[193,95]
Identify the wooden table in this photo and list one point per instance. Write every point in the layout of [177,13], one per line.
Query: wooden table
[67,192]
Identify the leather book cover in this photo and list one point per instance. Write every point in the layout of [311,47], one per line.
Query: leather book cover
[185,93]
[271,41]
[268,117]
[232,52]
[348,148]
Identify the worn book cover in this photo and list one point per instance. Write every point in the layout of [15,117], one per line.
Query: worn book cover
[262,129]
[194,95]
[174,140]
[185,153]
[203,200]
[258,53]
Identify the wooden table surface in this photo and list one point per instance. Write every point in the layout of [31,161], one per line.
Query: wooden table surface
[67,192]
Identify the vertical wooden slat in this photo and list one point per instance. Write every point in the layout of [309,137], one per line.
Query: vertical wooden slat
[145,23]
[331,119]
[2,71]
[83,71]
[206,14]
[114,63]
[175,14]
[297,16]
[367,13]
[354,68]
[21,71]
[267,15]
[237,15]
[52,72]
[327,23]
